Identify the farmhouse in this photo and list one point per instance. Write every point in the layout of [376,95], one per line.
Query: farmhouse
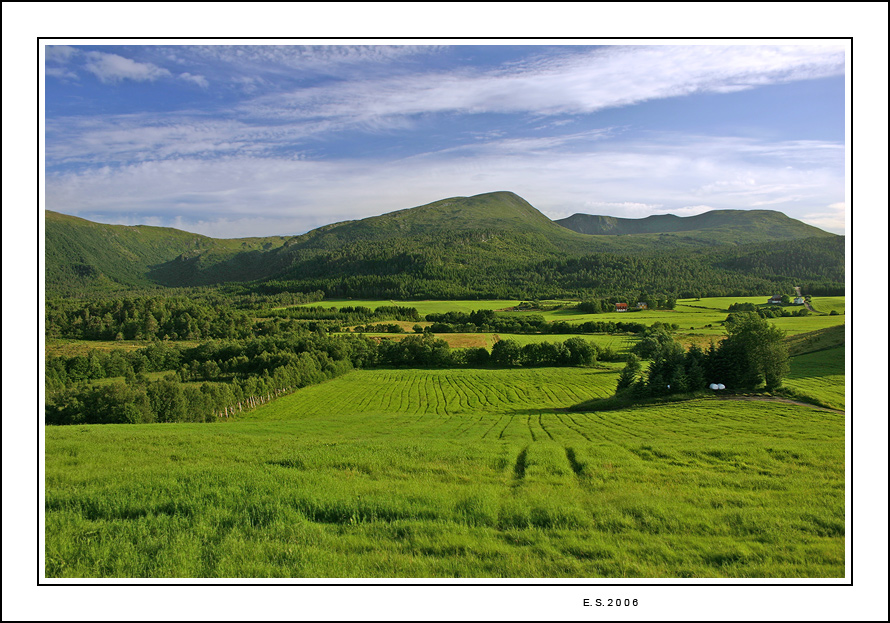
[776,300]
[798,300]
[642,305]
[621,307]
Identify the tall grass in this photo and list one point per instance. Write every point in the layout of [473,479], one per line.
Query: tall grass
[464,473]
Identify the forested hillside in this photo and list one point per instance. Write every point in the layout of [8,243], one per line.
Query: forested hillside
[743,225]
[82,256]
[494,245]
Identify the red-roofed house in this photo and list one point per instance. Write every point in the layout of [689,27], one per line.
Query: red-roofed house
[621,307]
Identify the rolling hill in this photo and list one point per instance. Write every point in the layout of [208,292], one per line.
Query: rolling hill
[741,225]
[486,245]
[83,255]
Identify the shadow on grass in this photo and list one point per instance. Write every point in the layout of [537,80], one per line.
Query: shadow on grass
[614,403]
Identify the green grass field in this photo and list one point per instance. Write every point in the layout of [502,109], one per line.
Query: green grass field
[827,304]
[454,473]
[690,314]
[819,377]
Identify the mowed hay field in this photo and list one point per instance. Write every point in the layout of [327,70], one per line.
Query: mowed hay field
[454,473]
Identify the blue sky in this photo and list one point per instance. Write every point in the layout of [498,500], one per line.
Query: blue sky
[250,140]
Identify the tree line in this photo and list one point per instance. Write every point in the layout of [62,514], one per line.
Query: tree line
[487,321]
[751,356]
[407,269]
[223,378]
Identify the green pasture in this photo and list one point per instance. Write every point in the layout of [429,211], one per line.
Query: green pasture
[819,377]
[828,304]
[454,473]
[443,392]
[805,324]
[690,314]
[803,343]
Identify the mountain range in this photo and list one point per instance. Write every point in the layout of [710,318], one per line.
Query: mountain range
[492,244]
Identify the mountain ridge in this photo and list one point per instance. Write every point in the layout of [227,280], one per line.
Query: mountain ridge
[457,240]
[599,225]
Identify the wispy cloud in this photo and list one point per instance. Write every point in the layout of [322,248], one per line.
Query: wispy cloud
[832,218]
[632,180]
[628,209]
[570,84]
[60,53]
[201,81]
[114,68]
[526,126]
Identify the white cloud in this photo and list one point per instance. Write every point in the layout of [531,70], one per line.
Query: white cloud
[114,68]
[327,58]
[295,195]
[254,158]
[833,219]
[569,84]
[60,72]
[201,81]
[692,210]
[628,209]
[579,82]
[60,53]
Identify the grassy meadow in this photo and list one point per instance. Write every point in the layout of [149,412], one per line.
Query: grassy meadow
[819,377]
[690,314]
[471,473]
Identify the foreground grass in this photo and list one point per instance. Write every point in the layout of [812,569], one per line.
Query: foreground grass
[470,473]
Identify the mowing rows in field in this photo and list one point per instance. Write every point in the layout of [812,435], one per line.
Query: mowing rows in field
[743,490]
[444,392]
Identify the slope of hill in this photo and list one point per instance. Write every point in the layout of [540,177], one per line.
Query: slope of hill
[496,212]
[85,256]
[743,225]
[490,245]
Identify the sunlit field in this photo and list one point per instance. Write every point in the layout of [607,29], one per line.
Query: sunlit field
[819,377]
[470,472]
[702,316]
[444,473]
